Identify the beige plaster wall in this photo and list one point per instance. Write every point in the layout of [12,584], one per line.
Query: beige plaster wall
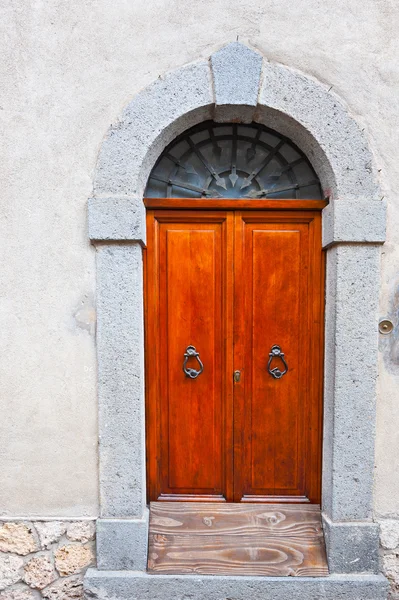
[67,70]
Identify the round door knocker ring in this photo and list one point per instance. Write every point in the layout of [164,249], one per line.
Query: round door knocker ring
[276,352]
[191,352]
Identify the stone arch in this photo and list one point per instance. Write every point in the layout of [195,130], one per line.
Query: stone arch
[237,84]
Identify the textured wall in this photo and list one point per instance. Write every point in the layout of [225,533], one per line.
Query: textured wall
[45,560]
[68,69]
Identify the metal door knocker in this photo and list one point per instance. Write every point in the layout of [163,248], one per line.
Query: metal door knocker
[192,353]
[275,352]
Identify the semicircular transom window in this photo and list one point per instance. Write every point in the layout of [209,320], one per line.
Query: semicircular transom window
[213,160]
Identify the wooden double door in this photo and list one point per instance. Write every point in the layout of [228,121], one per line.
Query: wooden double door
[234,312]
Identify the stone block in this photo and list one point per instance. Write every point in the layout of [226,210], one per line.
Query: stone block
[17,538]
[10,570]
[116,219]
[355,221]
[320,124]
[120,347]
[389,533]
[65,589]
[351,351]
[122,544]
[49,532]
[390,568]
[81,531]
[20,593]
[73,558]
[119,585]
[158,114]
[39,572]
[351,547]
[236,73]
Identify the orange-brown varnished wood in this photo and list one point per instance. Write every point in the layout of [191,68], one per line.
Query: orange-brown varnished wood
[277,302]
[234,204]
[189,286]
[234,539]
[233,284]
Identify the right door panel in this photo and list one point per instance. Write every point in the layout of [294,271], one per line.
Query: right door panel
[278,283]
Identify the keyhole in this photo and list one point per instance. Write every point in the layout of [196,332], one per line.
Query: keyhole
[237,376]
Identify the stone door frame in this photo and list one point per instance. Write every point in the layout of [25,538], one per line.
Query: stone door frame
[237,84]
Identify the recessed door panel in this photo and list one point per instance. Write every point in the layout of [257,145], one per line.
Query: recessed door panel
[274,403]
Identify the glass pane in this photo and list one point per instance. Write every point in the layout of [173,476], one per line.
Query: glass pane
[289,153]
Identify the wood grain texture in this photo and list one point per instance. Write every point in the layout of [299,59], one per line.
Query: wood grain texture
[236,539]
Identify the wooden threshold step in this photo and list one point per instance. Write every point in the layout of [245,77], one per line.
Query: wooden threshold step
[236,539]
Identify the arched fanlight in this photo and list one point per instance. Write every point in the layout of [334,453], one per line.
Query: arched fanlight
[217,160]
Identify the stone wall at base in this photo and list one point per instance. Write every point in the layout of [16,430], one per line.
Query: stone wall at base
[389,543]
[45,559]
[48,559]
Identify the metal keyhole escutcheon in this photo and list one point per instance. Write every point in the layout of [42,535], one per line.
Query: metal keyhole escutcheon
[276,353]
[237,376]
[191,352]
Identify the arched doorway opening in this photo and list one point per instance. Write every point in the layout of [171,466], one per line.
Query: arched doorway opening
[234,312]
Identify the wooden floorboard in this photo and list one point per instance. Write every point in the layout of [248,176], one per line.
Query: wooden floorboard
[236,539]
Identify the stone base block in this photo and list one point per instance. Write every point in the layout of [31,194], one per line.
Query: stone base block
[122,544]
[104,585]
[352,547]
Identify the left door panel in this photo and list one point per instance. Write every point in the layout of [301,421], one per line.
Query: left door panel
[189,303]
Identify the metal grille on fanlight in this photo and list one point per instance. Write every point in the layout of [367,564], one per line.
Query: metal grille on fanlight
[215,160]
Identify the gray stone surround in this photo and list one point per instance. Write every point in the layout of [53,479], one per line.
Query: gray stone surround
[125,585]
[237,83]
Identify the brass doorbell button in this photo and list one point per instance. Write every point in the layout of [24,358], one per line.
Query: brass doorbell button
[385,326]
